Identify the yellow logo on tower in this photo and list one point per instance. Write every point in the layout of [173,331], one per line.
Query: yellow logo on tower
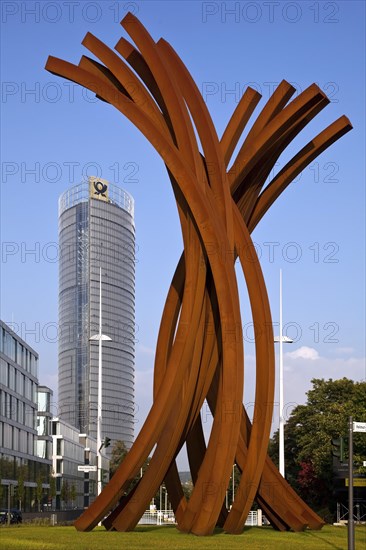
[98,188]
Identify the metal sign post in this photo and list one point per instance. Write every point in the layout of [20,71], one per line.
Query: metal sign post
[351,527]
[87,468]
[9,495]
[359,427]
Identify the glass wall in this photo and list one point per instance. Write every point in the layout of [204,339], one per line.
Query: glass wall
[44,401]
[17,469]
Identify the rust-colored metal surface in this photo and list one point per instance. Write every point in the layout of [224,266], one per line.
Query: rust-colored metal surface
[200,351]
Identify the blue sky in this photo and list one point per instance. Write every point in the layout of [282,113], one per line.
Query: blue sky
[54,133]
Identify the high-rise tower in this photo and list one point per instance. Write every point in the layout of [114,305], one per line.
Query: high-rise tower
[97,232]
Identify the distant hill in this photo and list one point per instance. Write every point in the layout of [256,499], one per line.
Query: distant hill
[185,477]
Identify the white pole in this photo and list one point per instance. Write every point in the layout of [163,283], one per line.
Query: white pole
[99,423]
[281,419]
[100,337]
[232,502]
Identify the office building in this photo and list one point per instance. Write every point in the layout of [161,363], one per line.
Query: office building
[97,232]
[21,469]
[71,451]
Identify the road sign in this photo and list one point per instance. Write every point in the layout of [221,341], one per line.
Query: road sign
[364,463]
[340,470]
[359,427]
[87,468]
[357,481]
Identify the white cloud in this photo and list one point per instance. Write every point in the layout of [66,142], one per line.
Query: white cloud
[303,353]
[299,373]
[297,378]
[343,351]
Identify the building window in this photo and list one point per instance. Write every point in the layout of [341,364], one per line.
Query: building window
[43,401]
[42,448]
[33,364]
[20,355]
[42,425]
[30,444]
[7,405]
[14,408]
[34,392]
[20,412]
[11,377]
[7,436]
[20,383]
[9,345]
[23,442]
[28,389]
[15,439]
[59,447]
[3,372]
[2,403]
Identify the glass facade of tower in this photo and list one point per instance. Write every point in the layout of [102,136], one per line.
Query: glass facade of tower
[96,231]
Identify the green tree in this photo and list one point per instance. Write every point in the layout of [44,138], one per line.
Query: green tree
[65,492]
[21,487]
[309,433]
[73,494]
[118,454]
[1,486]
[39,492]
[187,487]
[52,489]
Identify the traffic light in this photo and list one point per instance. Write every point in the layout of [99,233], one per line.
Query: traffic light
[106,442]
[338,448]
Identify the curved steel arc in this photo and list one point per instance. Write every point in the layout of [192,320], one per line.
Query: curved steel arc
[292,169]
[251,186]
[248,155]
[238,122]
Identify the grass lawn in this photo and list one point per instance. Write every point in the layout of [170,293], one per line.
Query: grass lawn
[160,538]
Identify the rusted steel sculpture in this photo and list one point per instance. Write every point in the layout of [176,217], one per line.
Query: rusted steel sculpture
[200,352]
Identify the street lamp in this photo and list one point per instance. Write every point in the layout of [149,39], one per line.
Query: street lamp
[281,339]
[162,487]
[100,337]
